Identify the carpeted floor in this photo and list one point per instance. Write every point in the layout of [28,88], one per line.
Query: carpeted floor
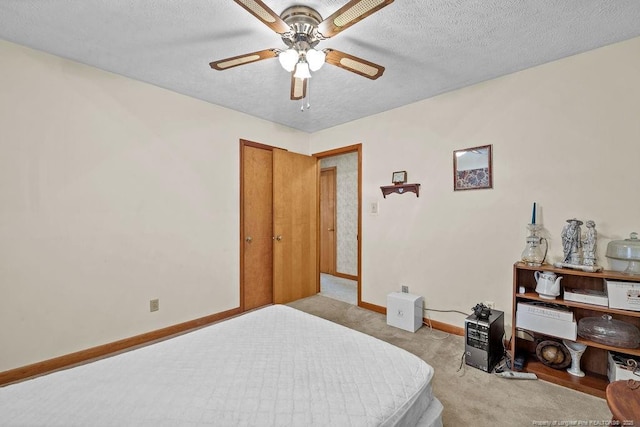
[470,397]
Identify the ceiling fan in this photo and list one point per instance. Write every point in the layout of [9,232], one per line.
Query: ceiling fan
[301,29]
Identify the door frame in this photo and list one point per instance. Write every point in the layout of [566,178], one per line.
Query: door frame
[355,148]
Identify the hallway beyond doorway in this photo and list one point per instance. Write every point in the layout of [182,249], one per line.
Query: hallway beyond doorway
[338,288]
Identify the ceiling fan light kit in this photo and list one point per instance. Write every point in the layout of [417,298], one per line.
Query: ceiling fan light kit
[315,59]
[302,71]
[301,29]
[288,59]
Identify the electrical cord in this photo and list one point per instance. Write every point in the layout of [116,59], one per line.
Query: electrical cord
[441,337]
[506,356]
[461,364]
[501,367]
[446,334]
[446,311]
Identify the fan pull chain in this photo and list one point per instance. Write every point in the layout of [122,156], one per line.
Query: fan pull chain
[308,97]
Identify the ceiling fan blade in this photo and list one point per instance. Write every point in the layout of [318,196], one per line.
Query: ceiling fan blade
[349,14]
[268,17]
[354,64]
[298,88]
[247,58]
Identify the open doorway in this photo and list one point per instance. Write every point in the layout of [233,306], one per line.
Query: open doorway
[340,223]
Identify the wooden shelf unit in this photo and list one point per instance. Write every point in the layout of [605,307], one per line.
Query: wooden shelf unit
[594,360]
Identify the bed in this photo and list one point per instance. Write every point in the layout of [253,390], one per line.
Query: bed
[274,366]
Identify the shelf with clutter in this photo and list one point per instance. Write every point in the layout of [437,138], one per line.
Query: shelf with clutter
[574,323]
[537,318]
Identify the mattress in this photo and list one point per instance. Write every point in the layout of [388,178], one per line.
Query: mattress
[274,366]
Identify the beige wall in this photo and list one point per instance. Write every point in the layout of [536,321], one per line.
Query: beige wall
[112,192]
[565,135]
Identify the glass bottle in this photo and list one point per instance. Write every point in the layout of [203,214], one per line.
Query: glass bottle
[533,253]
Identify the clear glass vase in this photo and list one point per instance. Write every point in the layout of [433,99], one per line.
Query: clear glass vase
[534,253]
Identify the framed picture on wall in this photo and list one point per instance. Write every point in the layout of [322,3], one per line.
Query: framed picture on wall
[472,168]
[399,177]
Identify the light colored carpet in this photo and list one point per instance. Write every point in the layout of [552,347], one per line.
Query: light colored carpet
[338,288]
[470,397]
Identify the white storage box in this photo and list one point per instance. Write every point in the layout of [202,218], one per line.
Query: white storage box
[546,325]
[546,311]
[623,295]
[404,311]
[618,369]
[587,296]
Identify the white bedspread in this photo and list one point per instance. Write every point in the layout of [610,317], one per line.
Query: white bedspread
[276,366]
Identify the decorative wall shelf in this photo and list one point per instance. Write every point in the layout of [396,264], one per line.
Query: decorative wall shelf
[400,189]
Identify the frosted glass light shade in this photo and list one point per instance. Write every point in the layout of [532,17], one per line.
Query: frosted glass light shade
[302,71]
[315,58]
[288,59]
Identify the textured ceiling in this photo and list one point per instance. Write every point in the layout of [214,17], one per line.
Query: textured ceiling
[427,47]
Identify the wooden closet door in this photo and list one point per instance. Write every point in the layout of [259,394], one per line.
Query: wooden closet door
[256,223]
[295,226]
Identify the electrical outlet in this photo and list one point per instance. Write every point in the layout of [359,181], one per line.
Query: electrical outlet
[490,304]
[405,289]
[154,305]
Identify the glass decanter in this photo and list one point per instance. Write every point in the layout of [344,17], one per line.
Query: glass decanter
[534,254]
